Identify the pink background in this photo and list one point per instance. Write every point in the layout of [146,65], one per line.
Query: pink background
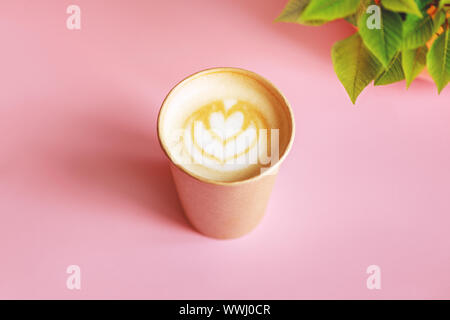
[83,180]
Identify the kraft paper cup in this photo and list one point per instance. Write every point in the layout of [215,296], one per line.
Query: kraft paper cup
[218,209]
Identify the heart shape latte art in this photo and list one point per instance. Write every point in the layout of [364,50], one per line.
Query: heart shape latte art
[224,135]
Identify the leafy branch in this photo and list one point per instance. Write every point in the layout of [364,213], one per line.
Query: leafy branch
[394,40]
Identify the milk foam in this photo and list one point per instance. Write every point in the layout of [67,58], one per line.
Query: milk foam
[218,126]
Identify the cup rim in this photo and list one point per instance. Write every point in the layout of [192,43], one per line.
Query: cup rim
[271,170]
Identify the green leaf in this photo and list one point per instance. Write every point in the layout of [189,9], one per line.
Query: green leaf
[392,73]
[352,19]
[407,6]
[362,7]
[354,65]
[329,9]
[417,31]
[293,11]
[438,60]
[385,41]
[439,19]
[444,3]
[423,4]
[413,62]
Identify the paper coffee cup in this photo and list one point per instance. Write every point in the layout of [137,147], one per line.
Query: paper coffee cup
[217,208]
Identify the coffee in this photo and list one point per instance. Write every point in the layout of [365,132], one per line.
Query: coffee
[225,125]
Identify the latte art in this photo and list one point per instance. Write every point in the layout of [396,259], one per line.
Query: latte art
[225,126]
[225,135]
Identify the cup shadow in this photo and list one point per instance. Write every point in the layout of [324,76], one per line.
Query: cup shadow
[115,155]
